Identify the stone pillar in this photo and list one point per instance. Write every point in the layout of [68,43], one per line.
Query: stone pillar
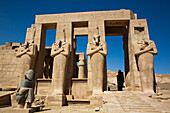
[97,50]
[138,30]
[62,65]
[81,66]
[30,35]
[27,53]
[93,24]
[81,69]
[39,40]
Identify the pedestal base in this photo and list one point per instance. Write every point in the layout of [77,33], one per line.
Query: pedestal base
[56,100]
[96,101]
[131,89]
[18,110]
[69,97]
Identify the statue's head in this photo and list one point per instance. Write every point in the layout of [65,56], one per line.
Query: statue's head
[59,43]
[30,43]
[96,39]
[141,43]
[30,75]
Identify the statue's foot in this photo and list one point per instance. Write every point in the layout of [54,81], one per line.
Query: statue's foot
[21,105]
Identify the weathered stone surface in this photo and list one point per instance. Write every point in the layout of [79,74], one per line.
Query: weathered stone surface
[17,110]
[82,65]
[27,54]
[96,101]
[144,51]
[97,50]
[56,66]
[5,98]
[60,52]
[56,100]
[9,69]
[79,88]
[25,92]
[112,80]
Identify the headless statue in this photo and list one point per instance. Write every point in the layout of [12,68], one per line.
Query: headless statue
[25,92]
[27,53]
[144,53]
[60,52]
[97,51]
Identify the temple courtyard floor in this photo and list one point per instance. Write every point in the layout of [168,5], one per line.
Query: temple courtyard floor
[116,102]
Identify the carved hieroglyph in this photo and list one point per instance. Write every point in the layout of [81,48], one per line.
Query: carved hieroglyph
[60,52]
[27,53]
[144,51]
[97,50]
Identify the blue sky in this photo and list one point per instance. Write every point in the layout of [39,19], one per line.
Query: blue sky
[17,15]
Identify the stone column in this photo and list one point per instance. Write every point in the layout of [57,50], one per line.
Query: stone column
[81,73]
[137,30]
[27,54]
[39,40]
[144,51]
[81,69]
[62,67]
[97,50]
[92,31]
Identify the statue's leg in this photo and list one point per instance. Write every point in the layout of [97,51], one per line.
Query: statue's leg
[58,78]
[28,105]
[146,72]
[98,71]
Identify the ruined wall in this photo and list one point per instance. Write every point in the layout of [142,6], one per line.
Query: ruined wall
[163,83]
[9,66]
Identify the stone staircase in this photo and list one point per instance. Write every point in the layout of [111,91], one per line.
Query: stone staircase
[125,102]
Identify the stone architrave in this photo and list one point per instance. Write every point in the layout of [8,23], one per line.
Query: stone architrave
[27,54]
[144,52]
[97,51]
[60,52]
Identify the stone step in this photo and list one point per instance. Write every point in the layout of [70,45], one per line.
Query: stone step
[78,102]
[5,97]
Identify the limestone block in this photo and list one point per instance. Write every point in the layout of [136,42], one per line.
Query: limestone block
[56,100]
[8,44]
[18,110]
[69,97]
[79,88]
[96,101]
[16,44]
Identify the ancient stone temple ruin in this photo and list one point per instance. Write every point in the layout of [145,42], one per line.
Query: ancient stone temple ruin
[58,77]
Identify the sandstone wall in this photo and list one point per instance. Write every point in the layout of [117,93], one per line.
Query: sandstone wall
[163,83]
[9,66]
[162,80]
[112,79]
